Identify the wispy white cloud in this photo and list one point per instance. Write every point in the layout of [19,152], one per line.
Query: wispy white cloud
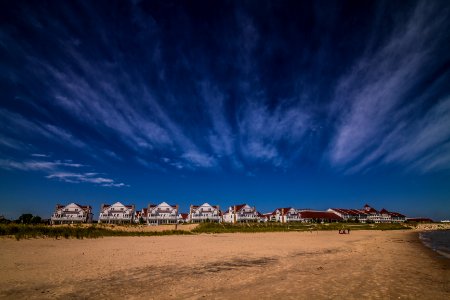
[263,131]
[372,100]
[85,177]
[39,155]
[33,165]
[198,159]
[60,170]
[20,126]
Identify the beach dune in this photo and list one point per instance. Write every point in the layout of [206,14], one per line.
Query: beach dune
[292,265]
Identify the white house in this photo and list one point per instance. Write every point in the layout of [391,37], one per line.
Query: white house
[204,213]
[284,215]
[72,213]
[241,213]
[162,213]
[116,213]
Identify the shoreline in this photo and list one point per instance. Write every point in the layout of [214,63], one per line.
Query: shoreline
[440,254]
[321,264]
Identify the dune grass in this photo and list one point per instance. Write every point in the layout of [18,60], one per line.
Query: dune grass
[279,227]
[33,231]
[20,231]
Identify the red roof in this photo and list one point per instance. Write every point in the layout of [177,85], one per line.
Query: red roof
[396,214]
[283,210]
[350,212]
[239,207]
[370,209]
[319,215]
[184,216]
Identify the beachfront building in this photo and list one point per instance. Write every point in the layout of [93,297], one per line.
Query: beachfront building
[183,218]
[162,213]
[317,216]
[240,214]
[116,213]
[267,217]
[369,214]
[285,215]
[71,214]
[350,214]
[140,216]
[422,220]
[204,213]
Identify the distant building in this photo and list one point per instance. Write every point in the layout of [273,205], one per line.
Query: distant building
[116,213]
[241,213]
[71,214]
[267,217]
[183,218]
[285,215]
[349,214]
[162,213]
[204,213]
[309,216]
[421,220]
[140,216]
[369,213]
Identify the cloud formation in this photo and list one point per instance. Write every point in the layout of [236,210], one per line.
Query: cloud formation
[250,92]
[60,170]
[380,115]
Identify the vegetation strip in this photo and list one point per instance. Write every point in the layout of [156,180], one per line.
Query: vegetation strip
[20,231]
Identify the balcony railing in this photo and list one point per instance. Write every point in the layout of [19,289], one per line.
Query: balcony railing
[162,217]
[114,218]
[68,218]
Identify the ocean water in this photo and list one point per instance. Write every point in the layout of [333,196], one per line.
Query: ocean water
[438,240]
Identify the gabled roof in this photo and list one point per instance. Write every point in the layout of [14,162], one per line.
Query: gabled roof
[118,203]
[396,214]
[163,204]
[83,207]
[282,210]
[239,207]
[184,216]
[369,209]
[205,204]
[384,211]
[350,212]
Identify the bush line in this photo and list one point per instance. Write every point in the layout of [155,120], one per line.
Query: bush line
[20,231]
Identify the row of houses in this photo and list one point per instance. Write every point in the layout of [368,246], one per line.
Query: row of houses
[163,213]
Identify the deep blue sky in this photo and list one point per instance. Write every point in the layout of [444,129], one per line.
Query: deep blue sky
[273,103]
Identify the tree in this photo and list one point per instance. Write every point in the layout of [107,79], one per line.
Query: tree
[25,218]
[36,220]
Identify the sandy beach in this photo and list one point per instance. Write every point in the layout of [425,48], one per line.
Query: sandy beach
[292,265]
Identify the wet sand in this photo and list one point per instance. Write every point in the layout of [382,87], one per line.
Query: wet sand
[292,265]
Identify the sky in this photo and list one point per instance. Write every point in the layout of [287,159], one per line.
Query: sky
[306,104]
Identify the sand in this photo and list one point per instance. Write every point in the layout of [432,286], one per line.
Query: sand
[291,265]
